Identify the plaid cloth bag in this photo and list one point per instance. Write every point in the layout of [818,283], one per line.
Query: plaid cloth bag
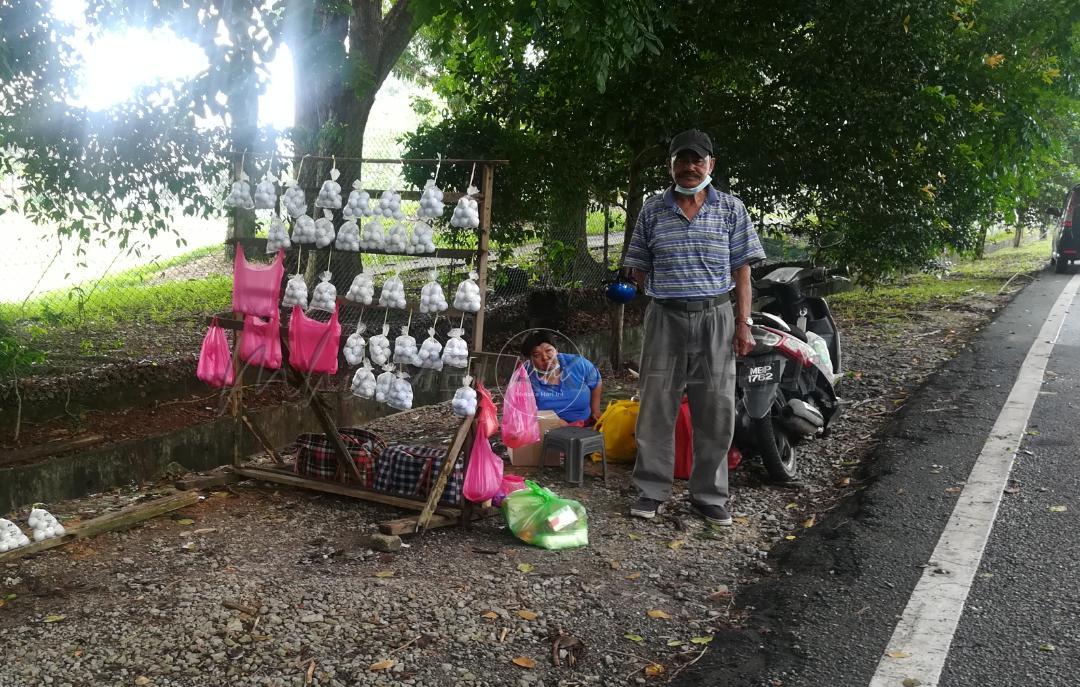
[412,470]
[315,456]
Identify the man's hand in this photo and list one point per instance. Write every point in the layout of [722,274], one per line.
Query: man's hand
[744,340]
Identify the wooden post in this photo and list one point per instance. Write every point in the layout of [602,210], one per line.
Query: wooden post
[444,474]
[238,398]
[617,318]
[487,182]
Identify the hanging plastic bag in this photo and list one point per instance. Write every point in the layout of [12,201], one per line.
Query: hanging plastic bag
[325,295]
[431,201]
[467,297]
[355,345]
[260,344]
[519,421]
[363,382]
[256,288]
[390,205]
[277,238]
[240,194]
[618,424]
[539,517]
[295,292]
[379,347]
[215,361]
[324,230]
[464,403]
[432,298]
[400,395]
[456,351]
[483,477]
[374,237]
[303,230]
[330,193]
[348,237]
[397,240]
[430,355]
[359,204]
[362,289]
[405,352]
[392,294]
[383,383]
[294,200]
[422,239]
[314,345]
[467,212]
[265,193]
[487,415]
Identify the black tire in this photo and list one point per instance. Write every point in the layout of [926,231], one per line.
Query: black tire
[1061,266]
[777,453]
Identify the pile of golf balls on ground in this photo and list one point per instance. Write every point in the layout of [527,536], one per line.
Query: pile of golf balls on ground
[295,292]
[324,230]
[295,202]
[383,383]
[239,195]
[265,194]
[431,201]
[390,205]
[348,237]
[405,352]
[303,230]
[393,293]
[277,237]
[45,525]
[430,355]
[432,298]
[466,214]
[330,193]
[325,295]
[467,296]
[374,237]
[363,382]
[422,239]
[379,347]
[362,289]
[359,204]
[397,240]
[400,395]
[11,537]
[355,346]
[456,352]
[464,403]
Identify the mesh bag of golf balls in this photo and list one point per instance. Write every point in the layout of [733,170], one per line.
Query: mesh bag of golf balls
[430,354]
[44,524]
[355,346]
[11,537]
[464,403]
[359,204]
[400,395]
[363,381]
[265,194]
[324,297]
[303,230]
[362,289]
[431,201]
[379,347]
[405,352]
[467,296]
[397,239]
[374,237]
[393,293]
[277,237]
[456,351]
[348,237]
[295,292]
[390,205]
[240,195]
[467,211]
[330,193]
[422,239]
[383,383]
[324,230]
[295,202]
[432,298]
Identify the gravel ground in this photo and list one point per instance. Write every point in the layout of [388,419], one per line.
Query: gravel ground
[258,585]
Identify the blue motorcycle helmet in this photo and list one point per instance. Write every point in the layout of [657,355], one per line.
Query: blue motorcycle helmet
[620,290]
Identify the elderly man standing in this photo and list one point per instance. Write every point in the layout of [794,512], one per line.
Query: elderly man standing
[691,246]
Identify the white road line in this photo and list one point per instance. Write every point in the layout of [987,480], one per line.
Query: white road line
[920,643]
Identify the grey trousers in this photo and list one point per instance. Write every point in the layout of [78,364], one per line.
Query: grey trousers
[691,353]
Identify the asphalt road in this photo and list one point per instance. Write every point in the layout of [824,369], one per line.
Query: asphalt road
[828,615]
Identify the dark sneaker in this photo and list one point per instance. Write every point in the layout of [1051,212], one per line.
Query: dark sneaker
[714,515]
[645,508]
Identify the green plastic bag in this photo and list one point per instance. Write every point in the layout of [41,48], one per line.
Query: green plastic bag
[539,517]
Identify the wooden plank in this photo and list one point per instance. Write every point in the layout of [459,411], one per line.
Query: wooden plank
[322,414]
[447,470]
[207,482]
[50,449]
[125,517]
[408,525]
[267,446]
[487,181]
[257,245]
[292,480]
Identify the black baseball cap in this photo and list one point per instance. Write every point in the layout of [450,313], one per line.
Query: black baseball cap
[691,139]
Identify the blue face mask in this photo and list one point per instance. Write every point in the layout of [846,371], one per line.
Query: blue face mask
[691,191]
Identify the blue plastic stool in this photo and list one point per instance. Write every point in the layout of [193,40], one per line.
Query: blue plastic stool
[575,443]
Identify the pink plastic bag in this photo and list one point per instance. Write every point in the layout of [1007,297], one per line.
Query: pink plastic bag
[215,360]
[257,289]
[260,343]
[487,415]
[314,345]
[519,423]
[484,474]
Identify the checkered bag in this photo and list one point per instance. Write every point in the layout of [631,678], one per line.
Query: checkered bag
[412,470]
[315,456]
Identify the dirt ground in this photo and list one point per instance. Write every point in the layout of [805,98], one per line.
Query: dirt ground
[264,585]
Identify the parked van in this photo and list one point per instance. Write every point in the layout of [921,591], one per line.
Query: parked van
[1065,248]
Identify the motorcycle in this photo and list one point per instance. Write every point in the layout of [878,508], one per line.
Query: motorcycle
[785,390]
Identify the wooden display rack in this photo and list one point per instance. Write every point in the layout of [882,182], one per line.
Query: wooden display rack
[431,514]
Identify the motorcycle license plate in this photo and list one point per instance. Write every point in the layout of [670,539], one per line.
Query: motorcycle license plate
[764,373]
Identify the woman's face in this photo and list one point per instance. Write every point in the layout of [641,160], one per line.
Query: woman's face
[543,357]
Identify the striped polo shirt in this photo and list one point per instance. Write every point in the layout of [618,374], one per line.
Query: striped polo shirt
[692,260]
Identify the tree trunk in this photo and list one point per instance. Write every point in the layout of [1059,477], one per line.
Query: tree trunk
[635,198]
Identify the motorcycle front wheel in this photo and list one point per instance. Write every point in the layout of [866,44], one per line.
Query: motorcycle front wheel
[777,453]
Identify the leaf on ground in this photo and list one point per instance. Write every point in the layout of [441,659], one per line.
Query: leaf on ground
[384,573]
[634,537]
[633,576]
[654,669]
[954,490]
[634,638]
[204,530]
[791,506]
[185,521]
[810,522]
[526,614]
[701,640]
[911,682]
[386,664]
[1047,647]
[721,594]
[1011,490]
[53,618]
[524,662]
[10,597]
[615,565]
[675,642]
[490,615]
[790,537]
[190,546]
[898,654]
[741,521]
[142,680]
[1058,509]
[657,613]
[676,544]
[844,482]
[525,567]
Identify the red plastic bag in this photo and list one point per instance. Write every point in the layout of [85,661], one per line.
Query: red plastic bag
[519,424]
[313,345]
[215,360]
[483,478]
[257,288]
[684,445]
[260,343]
[487,415]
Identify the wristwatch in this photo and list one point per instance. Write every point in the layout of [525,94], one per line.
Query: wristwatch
[748,321]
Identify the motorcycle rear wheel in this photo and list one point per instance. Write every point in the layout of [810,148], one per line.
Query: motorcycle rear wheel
[777,453]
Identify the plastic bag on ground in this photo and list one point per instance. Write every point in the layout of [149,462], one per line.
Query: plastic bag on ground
[483,477]
[215,360]
[519,421]
[539,517]
[618,424]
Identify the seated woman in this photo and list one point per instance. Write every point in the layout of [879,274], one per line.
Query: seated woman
[564,383]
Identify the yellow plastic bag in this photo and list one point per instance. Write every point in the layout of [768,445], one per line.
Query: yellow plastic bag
[618,424]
